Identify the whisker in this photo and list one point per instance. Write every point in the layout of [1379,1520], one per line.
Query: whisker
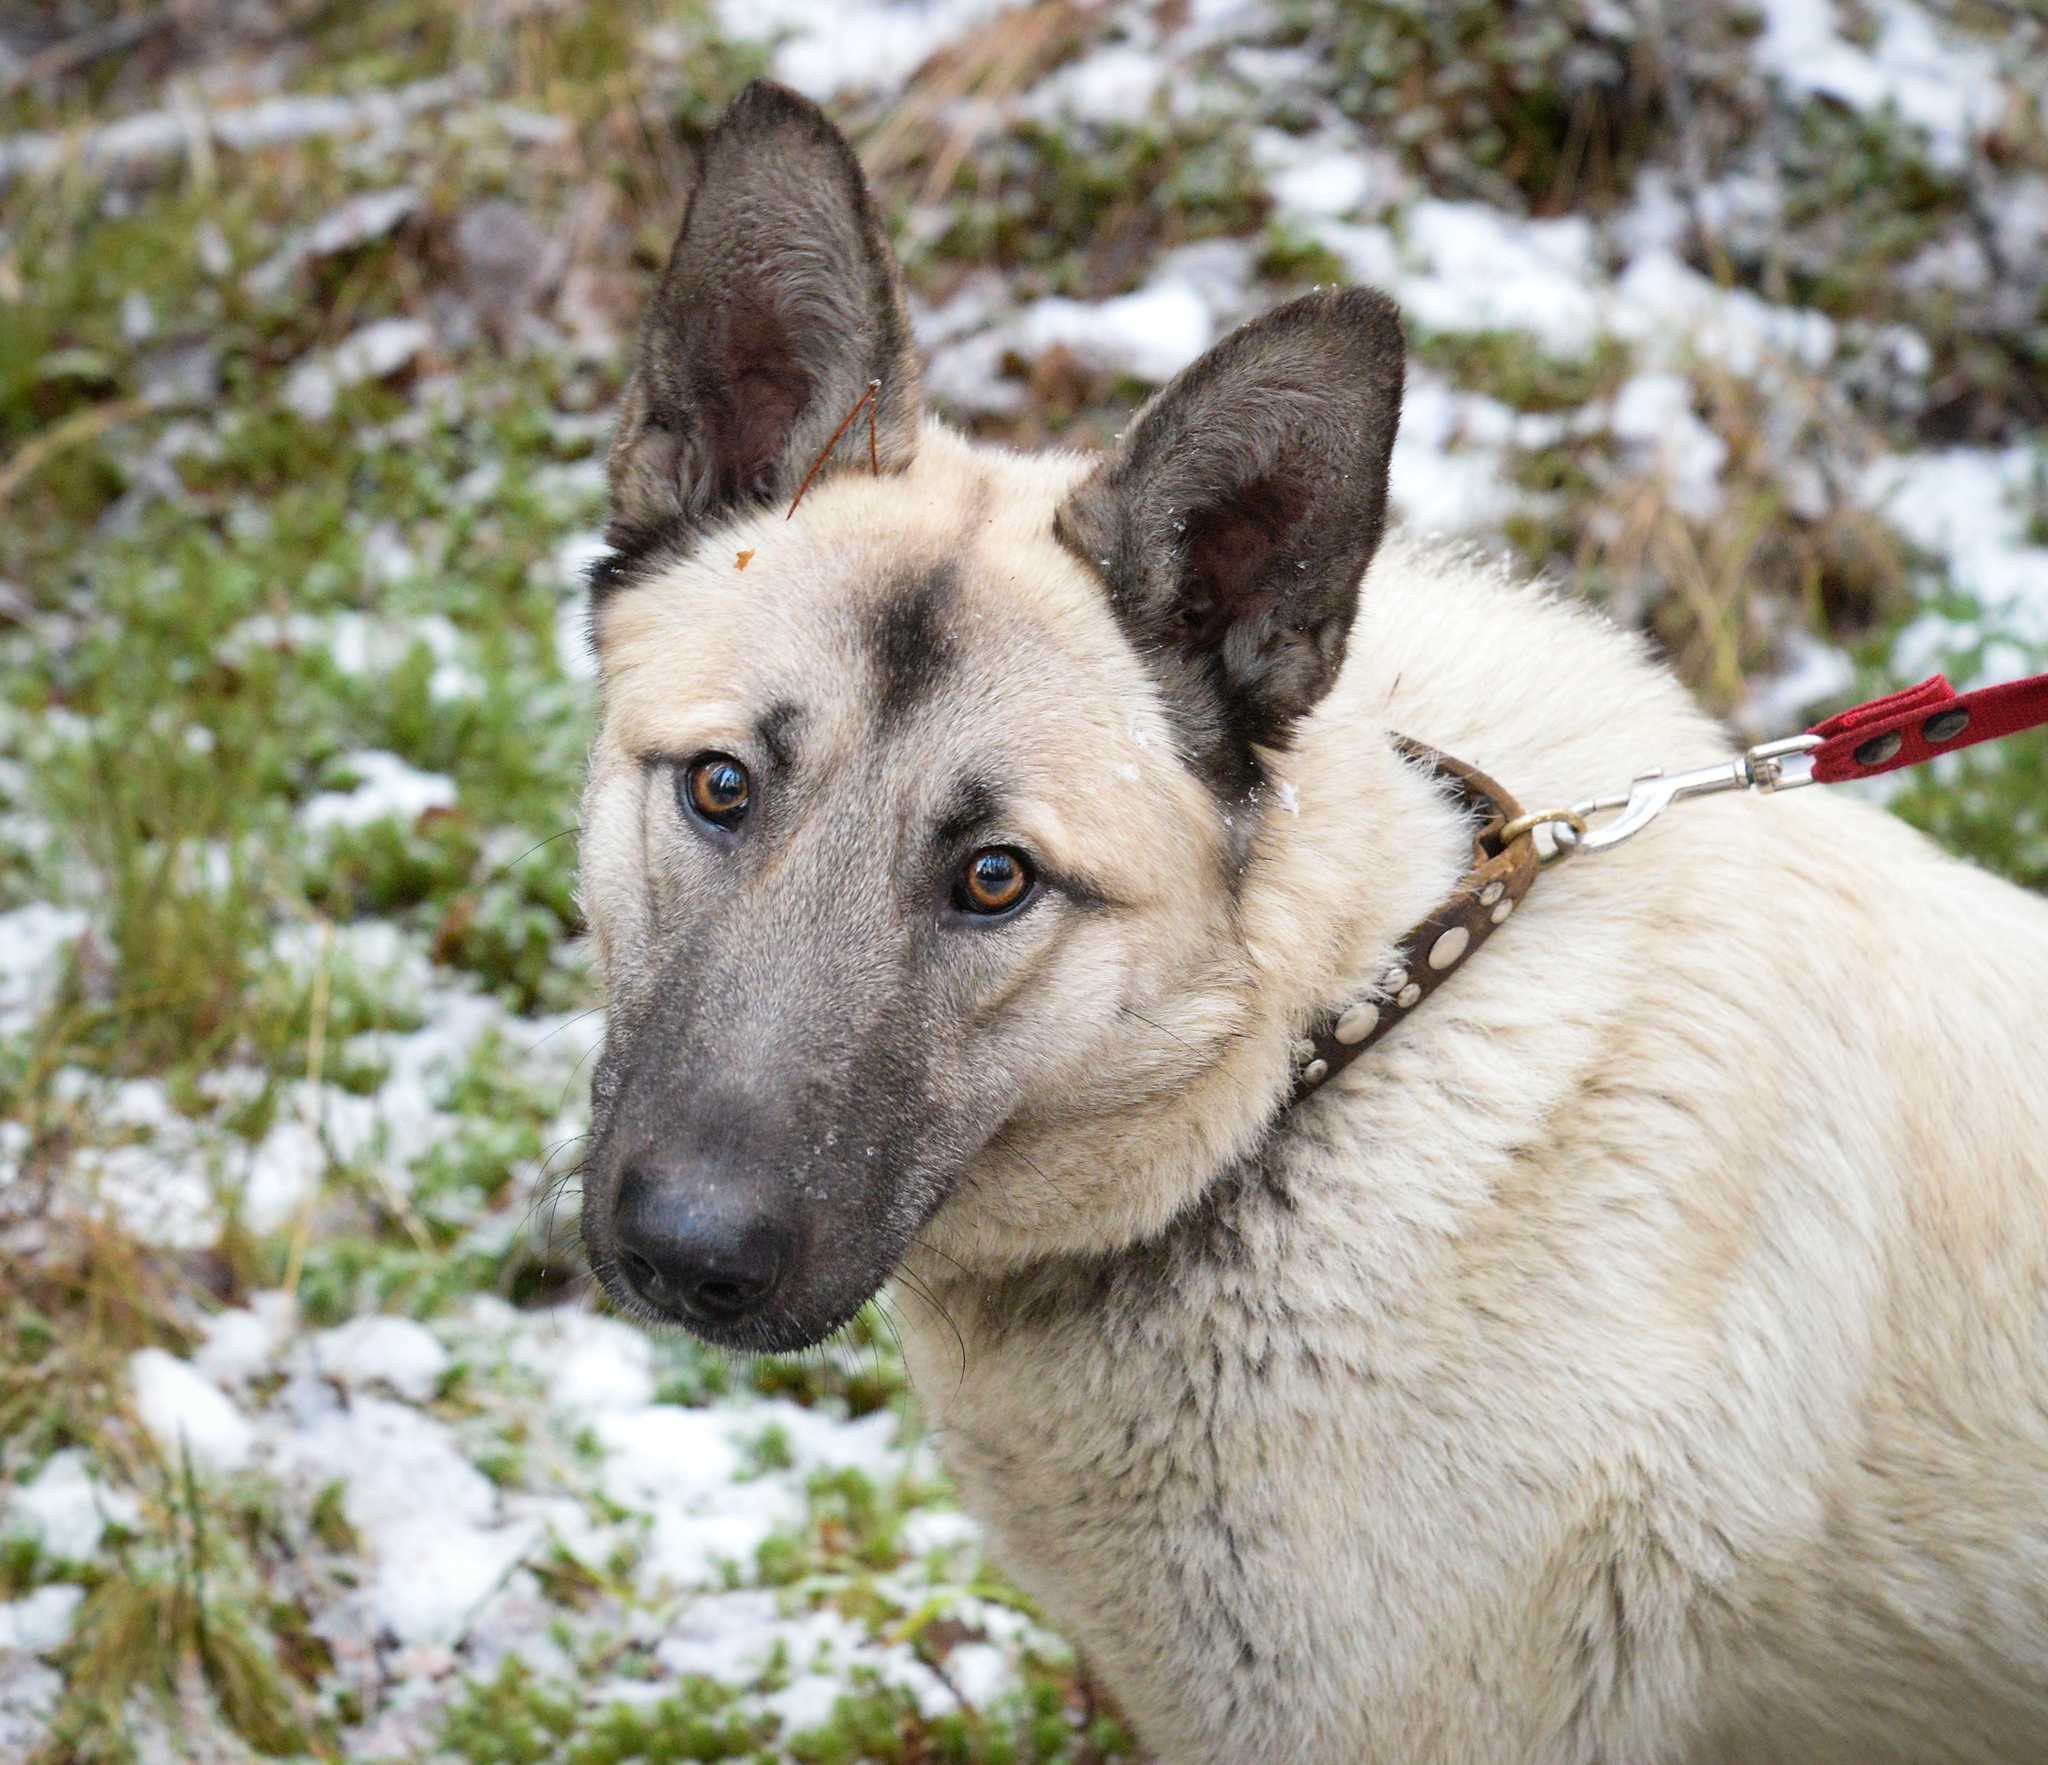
[1233,1039]
[566,1024]
[923,1289]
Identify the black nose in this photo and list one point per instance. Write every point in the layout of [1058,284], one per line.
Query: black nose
[694,1247]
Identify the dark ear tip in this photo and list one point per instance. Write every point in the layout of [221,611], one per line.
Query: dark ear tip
[764,105]
[1359,308]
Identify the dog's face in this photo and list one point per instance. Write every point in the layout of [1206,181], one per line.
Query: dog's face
[913,831]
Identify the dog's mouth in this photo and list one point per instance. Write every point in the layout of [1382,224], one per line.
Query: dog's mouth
[727,1318]
[741,1265]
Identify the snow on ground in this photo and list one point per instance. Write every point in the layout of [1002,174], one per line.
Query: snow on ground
[828,46]
[1948,89]
[488,1455]
[686,1495]
[387,788]
[33,943]
[1964,506]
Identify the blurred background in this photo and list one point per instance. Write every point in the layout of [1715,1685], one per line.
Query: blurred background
[1727,316]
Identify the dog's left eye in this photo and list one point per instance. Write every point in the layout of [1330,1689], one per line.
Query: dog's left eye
[716,789]
[995,880]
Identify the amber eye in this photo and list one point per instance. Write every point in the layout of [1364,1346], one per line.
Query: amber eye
[996,879]
[716,789]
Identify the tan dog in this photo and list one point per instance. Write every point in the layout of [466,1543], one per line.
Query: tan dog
[1637,1356]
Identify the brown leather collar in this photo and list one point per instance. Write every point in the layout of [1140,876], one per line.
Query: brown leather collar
[1443,943]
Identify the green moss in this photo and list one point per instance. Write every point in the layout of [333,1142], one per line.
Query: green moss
[1084,211]
[1512,367]
[1990,803]
[1528,106]
[1287,257]
[186,1604]
[518,1719]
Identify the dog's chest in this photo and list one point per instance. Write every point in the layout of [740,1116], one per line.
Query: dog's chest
[1208,1459]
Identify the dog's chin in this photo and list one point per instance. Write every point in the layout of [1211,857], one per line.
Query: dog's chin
[786,1326]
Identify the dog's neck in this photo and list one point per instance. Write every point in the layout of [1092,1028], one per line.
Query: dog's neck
[1350,842]
[1355,843]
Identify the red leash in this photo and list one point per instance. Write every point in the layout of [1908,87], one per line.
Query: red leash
[1909,728]
[1902,729]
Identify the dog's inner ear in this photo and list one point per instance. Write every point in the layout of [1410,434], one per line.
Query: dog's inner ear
[780,302]
[1230,544]
[1232,524]
[757,395]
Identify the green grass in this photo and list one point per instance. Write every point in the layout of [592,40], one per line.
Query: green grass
[222,605]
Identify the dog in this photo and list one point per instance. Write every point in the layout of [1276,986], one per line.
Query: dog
[1637,1355]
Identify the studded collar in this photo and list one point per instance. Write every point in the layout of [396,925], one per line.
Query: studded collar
[1501,872]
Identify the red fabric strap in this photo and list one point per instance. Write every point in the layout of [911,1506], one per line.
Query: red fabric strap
[1909,728]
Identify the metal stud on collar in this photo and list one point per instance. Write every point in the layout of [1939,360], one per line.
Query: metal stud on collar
[1505,861]
[1503,867]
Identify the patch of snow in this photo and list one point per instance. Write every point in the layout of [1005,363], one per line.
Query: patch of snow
[378,349]
[161,134]
[982,1671]
[821,1442]
[1947,88]
[433,1579]
[1779,704]
[356,222]
[1150,335]
[29,1694]
[1654,412]
[824,47]
[34,941]
[1368,253]
[967,375]
[1670,311]
[357,643]
[243,1341]
[279,1173]
[1118,83]
[1965,505]
[1954,264]
[1477,269]
[735,1637]
[1438,480]
[570,1527]
[381,1350]
[1328,187]
[158,1185]
[1656,218]
[975,304]
[679,1467]
[574,653]
[389,789]
[42,1621]
[66,1509]
[938,1529]
[426,1514]
[574,558]
[185,1410]
[589,1363]
[729,1637]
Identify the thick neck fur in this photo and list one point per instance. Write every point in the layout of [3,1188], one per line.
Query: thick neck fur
[1346,847]
[1541,1388]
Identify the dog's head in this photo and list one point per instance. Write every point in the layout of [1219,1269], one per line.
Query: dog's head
[915,838]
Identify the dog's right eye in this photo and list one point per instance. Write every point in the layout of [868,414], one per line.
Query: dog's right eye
[716,789]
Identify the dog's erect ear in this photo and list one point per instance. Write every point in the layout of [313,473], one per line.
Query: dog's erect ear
[780,302]
[1234,520]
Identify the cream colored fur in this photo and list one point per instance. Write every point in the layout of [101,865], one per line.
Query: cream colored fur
[1642,1355]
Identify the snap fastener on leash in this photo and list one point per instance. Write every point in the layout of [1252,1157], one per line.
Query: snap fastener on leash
[1902,729]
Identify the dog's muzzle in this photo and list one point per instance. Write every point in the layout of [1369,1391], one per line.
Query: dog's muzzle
[702,1252]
